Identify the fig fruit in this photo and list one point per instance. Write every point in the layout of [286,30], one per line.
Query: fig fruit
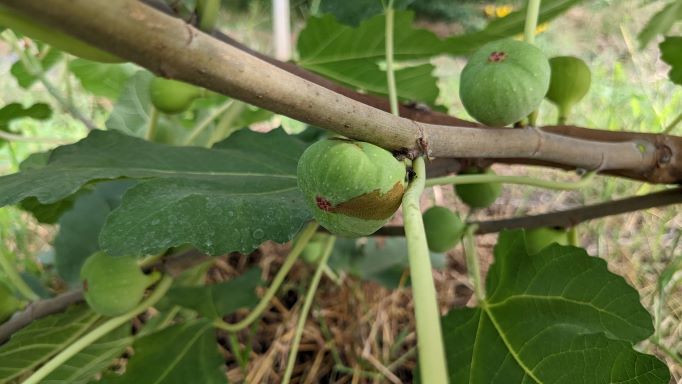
[504,81]
[9,303]
[113,286]
[570,81]
[539,238]
[172,96]
[443,227]
[479,195]
[352,187]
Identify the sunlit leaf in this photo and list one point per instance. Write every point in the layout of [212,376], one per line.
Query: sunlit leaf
[101,79]
[661,22]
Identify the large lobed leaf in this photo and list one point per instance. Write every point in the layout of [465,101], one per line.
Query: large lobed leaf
[183,353]
[671,53]
[661,22]
[558,316]
[43,338]
[217,300]
[230,198]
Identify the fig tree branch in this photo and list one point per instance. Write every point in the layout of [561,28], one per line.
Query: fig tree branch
[170,47]
[570,217]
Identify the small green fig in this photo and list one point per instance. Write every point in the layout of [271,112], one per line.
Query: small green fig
[480,195]
[313,250]
[9,303]
[172,96]
[504,81]
[570,81]
[113,286]
[443,227]
[539,238]
[352,187]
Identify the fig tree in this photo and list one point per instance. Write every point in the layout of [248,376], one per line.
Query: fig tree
[352,187]
[570,81]
[504,81]
[443,227]
[113,286]
[539,238]
[172,96]
[479,195]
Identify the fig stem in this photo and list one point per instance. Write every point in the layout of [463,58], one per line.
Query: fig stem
[531,25]
[473,266]
[432,363]
[153,123]
[303,316]
[100,331]
[208,11]
[521,180]
[390,74]
[299,243]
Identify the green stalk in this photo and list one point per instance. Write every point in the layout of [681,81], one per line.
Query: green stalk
[153,123]
[473,266]
[99,332]
[203,124]
[208,11]
[521,180]
[531,21]
[390,75]
[529,34]
[314,7]
[432,364]
[296,250]
[310,295]
[15,279]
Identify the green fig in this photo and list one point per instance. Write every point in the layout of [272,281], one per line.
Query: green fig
[443,227]
[9,303]
[570,82]
[113,286]
[539,238]
[480,195]
[172,96]
[504,81]
[351,187]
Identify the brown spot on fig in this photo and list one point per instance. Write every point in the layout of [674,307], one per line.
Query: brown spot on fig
[85,285]
[323,203]
[373,205]
[497,57]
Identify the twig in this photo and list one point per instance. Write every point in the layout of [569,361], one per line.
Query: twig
[26,139]
[570,217]
[208,62]
[37,310]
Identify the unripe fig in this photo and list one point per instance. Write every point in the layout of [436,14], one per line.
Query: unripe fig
[570,81]
[313,250]
[9,303]
[539,238]
[172,96]
[504,81]
[352,187]
[480,195]
[113,286]
[443,227]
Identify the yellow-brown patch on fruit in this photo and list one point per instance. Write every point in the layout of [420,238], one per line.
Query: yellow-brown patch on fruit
[373,205]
